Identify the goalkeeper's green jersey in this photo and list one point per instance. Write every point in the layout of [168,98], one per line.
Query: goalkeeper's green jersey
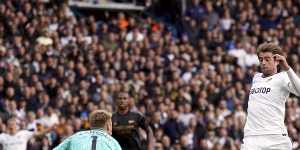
[96,139]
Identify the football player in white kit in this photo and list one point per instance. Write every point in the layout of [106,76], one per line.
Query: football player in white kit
[265,128]
[16,139]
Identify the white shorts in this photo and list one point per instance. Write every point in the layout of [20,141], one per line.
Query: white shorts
[267,142]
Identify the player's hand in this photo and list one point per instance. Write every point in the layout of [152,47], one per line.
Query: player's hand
[282,62]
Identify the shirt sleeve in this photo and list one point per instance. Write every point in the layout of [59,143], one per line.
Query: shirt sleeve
[64,145]
[117,145]
[292,84]
[142,122]
[27,134]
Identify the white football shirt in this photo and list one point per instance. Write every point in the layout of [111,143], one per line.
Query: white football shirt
[17,141]
[266,106]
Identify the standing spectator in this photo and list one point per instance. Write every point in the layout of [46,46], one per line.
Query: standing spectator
[173,127]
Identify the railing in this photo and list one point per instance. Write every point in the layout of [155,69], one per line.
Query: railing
[100,4]
[104,4]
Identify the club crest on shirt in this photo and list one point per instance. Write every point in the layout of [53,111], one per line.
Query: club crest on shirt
[115,123]
[131,121]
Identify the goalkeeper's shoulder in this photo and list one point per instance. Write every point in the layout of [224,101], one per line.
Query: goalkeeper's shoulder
[115,144]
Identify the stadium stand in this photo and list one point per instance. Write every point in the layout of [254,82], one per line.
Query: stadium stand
[189,72]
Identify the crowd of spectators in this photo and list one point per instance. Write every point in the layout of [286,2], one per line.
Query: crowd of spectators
[192,84]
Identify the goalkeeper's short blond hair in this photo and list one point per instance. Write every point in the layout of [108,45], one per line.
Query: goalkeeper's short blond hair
[99,118]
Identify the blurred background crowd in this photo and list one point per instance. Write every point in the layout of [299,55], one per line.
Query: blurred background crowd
[188,71]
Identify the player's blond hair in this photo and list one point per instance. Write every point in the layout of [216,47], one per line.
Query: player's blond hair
[99,118]
[269,47]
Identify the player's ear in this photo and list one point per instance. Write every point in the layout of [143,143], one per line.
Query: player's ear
[109,126]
